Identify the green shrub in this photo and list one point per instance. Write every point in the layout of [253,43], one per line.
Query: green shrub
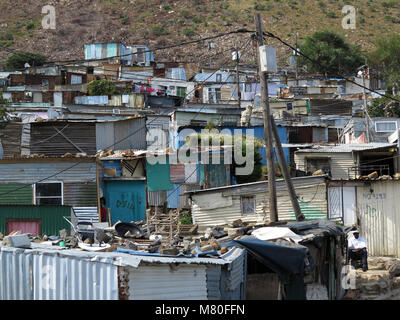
[188,32]
[18,60]
[185,219]
[101,88]
[158,30]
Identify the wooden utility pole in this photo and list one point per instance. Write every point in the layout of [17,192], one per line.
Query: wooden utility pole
[285,172]
[273,210]
[237,77]
[297,63]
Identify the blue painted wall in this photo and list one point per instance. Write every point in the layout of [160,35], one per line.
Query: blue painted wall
[259,134]
[126,199]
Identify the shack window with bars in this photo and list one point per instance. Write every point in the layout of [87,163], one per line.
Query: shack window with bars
[248,204]
[48,193]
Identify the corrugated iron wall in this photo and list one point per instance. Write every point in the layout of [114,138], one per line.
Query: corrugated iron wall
[126,134]
[168,282]
[45,139]
[15,193]
[340,162]
[51,217]
[80,194]
[156,198]
[312,198]
[380,217]
[15,274]
[30,172]
[10,137]
[51,275]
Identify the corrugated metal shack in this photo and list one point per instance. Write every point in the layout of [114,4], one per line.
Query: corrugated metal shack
[37,220]
[73,181]
[249,202]
[45,274]
[340,160]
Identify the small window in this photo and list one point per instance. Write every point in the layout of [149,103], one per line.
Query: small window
[248,87]
[45,82]
[181,92]
[248,204]
[318,164]
[76,79]
[219,78]
[48,193]
[385,126]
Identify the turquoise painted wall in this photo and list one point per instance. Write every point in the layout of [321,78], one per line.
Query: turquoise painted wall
[126,199]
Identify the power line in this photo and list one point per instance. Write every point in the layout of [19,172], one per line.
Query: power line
[269,34]
[77,163]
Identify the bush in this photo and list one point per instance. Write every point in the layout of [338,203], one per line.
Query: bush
[188,32]
[158,30]
[30,26]
[18,60]
[185,219]
[331,14]
[101,88]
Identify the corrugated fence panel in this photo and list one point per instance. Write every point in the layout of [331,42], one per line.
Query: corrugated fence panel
[45,139]
[234,277]
[379,217]
[14,193]
[65,278]
[30,172]
[188,282]
[104,135]
[80,194]
[213,282]
[15,272]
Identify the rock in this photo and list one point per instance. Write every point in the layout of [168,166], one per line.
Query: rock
[237,223]
[224,250]
[45,237]
[132,246]
[394,270]
[1,235]
[396,176]
[87,241]
[215,245]
[318,172]
[373,175]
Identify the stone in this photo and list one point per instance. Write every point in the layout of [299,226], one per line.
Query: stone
[207,248]
[87,241]
[1,235]
[215,245]
[237,223]
[224,250]
[318,172]
[394,270]
[373,175]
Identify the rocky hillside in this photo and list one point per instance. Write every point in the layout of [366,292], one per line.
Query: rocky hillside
[159,23]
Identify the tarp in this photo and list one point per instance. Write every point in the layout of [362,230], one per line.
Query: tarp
[282,257]
[271,233]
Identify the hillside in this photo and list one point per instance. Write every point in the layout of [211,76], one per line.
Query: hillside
[159,23]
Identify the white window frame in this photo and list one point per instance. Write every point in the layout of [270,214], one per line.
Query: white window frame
[218,76]
[48,182]
[241,205]
[382,122]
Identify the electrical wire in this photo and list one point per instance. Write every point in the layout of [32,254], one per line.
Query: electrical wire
[77,163]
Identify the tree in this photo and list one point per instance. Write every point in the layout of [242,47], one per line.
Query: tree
[384,107]
[18,60]
[257,171]
[386,58]
[332,54]
[101,88]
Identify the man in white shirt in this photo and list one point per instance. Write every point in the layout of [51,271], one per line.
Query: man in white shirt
[357,249]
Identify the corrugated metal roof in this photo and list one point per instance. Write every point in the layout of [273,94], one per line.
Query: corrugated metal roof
[349,147]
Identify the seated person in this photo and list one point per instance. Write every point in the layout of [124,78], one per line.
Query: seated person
[357,249]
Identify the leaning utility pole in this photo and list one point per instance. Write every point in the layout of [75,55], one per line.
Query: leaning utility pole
[273,210]
[237,77]
[285,172]
[365,107]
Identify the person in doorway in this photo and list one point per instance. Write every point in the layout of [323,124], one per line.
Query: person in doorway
[103,210]
[357,249]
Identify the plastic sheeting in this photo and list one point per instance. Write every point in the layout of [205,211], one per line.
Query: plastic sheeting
[271,233]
